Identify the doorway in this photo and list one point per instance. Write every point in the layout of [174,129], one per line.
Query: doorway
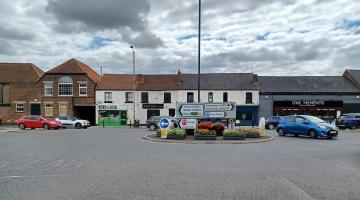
[151,113]
[35,109]
[85,112]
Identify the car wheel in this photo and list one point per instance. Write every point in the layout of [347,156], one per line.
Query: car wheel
[78,126]
[353,126]
[46,126]
[330,137]
[152,127]
[281,132]
[22,126]
[312,134]
[85,127]
[271,126]
[296,135]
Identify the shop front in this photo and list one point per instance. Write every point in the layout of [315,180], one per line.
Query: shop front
[326,110]
[112,115]
[247,116]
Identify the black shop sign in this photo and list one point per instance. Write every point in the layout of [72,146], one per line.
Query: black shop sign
[153,106]
[309,103]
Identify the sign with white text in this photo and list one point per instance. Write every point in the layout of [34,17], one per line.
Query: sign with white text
[206,110]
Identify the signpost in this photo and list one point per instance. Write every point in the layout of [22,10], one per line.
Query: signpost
[206,110]
[164,127]
[188,123]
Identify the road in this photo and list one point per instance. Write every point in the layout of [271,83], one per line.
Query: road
[116,163]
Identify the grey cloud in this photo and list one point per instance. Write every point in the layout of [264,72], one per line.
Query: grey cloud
[14,34]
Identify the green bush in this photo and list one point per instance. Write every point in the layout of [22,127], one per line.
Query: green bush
[204,132]
[235,132]
[177,132]
[252,132]
[158,132]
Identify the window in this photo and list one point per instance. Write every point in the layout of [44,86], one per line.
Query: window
[19,107]
[299,120]
[248,97]
[4,94]
[210,97]
[108,97]
[63,109]
[49,109]
[244,116]
[290,119]
[172,112]
[144,97]
[225,97]
[82,89]
[128,97]
[167,97]
[190,97]
[48,89]
[65,86]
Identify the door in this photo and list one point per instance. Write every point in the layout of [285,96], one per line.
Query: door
[35,109]
[151,113]
[300,126]
[172,112]
[123,117]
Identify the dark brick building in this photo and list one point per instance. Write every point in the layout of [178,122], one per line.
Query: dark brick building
[18,94]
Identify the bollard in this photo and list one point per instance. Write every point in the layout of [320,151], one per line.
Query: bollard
[103,123]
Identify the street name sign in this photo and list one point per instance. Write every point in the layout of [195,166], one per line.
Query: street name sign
[206,110]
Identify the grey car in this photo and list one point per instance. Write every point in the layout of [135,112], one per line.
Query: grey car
[152,122]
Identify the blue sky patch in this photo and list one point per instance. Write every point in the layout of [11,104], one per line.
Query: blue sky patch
[262,37]
[99,42]
[351,25]
[203,37]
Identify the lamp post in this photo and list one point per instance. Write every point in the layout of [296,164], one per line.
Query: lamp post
[199,39]
[134,83]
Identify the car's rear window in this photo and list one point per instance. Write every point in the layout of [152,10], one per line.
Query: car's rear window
[345,116]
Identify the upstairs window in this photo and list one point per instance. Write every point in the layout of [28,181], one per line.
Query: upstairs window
[129,97]
[82,89]
[248,98]
[48,89]
[4,94]
[190,97]
[108,97]
[225,97]
[210,97]
[167,97]
[65,86]
[144,97]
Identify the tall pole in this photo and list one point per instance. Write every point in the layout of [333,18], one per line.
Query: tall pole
[134,83]
[199,39]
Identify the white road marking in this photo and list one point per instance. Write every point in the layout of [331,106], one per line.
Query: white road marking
[297,191]
[39,176]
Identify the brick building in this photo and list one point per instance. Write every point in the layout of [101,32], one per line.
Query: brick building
[18,94]
[69,89]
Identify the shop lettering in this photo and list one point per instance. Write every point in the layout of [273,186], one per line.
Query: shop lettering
[107,107]
[308,103]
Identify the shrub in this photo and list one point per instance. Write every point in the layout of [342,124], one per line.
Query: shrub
[204,132]
[177,132]
[204,125]
[235,132]
[252,132]
[218,127]
[158,132]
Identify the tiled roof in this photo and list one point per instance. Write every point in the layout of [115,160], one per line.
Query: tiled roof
[306,84]
[353,75]
[116,82]
[74,66]
[157,82]
[220,81]
[19,72]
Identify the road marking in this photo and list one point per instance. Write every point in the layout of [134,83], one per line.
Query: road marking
[298,191]
[39,176]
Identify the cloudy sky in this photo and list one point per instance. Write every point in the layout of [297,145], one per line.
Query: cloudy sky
[268,37]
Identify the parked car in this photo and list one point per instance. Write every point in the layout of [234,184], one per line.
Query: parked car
[73,122]
[350,121]
[306,125]
[272,122]
[153,122]
[35,121]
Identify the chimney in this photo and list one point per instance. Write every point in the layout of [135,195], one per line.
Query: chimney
[140,78]
[254,78]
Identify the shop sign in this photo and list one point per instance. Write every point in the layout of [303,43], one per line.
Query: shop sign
[111,107]
[309,103]
[188,123]
[153,106]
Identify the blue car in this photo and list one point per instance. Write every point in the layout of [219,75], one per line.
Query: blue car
[272,122]
[307,126]
[350,121]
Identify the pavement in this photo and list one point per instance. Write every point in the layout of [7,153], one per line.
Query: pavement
[98,163]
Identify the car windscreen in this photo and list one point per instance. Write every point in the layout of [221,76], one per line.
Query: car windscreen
[315,119]
[345,116]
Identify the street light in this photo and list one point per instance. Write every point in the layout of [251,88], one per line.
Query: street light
[199,39]
[134,83]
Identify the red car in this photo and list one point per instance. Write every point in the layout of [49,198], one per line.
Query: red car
[35,121]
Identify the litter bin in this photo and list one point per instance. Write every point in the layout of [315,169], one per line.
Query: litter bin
[136,123]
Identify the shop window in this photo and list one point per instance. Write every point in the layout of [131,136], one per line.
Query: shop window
[172,112]
[65,86]
[190,97]
[248,98]
[244,116]
[19,107]
[48,89]
[129,97]
[167,97]
[225,97]
[144,97]
[108,97]
[63,109]
[4,94]
[49,109]
[82,89]
[210,97]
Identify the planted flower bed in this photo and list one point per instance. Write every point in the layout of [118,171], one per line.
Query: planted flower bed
[252,133]
[205,134]
[177,133]
[236,134]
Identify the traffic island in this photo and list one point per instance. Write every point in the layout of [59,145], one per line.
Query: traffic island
[219,140]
